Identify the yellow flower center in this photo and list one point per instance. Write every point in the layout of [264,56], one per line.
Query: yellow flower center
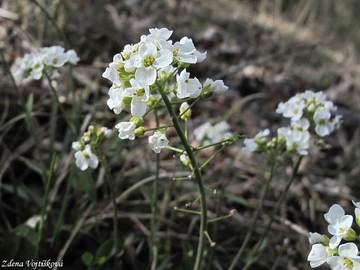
[140,92]
[342,230]
[348,263]
[55,61]
[176,52]
[86,155]
[149,60]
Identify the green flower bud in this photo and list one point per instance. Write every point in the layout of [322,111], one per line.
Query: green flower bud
[351,235]
[139,131]
[185,160]
[127,100]
[185,111]
[137,120]
[357,216]
[152,102]
[206,92]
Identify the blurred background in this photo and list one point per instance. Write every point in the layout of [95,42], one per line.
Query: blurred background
[265,51]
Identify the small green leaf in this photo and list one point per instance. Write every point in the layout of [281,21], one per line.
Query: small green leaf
[87,258]
[105,252]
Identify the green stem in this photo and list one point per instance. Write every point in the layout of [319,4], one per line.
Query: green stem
[51,174]
[254,219]
[153,236]
[226,141]
[158,127]
[112,187]
[206,162]
[54,93]
[277,208]
[198,177]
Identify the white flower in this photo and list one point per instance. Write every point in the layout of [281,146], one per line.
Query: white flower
[184,51]
[161,34]
[218,132]
[348,258]
[116,99]
[112,72]
[158,141]
[296,140]
[126,130]
[72,57]
[32,65]
[212,134]
[217,86]
[323,124]
[148,59]
[187,87]
[316,238]
[318,255]
[85,159]
[251,144]
[76,146]
[339,224]
[55,57]
[291,109]
[106,131]
[201,131]
[303,124]
[138,96]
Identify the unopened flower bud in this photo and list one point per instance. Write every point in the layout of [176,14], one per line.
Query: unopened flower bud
[152,102]
[185,160]
[357,216]
[137,120]
[139,131]
[185,111]
[351,235]
[207,92]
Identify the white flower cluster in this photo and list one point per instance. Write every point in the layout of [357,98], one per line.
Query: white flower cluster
[208,134]
[84,156]
[33,65]
[310,114]
[339,256]
[141,69]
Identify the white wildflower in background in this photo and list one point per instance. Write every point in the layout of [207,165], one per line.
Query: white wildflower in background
[212,133]
[217,86]
[84,156]
[311,116]
[46,59]
[252,144]
[158,141]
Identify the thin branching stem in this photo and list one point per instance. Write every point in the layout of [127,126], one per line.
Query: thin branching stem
[254,218]
[153,236]
[277,208]
[56,97]
[198,178]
